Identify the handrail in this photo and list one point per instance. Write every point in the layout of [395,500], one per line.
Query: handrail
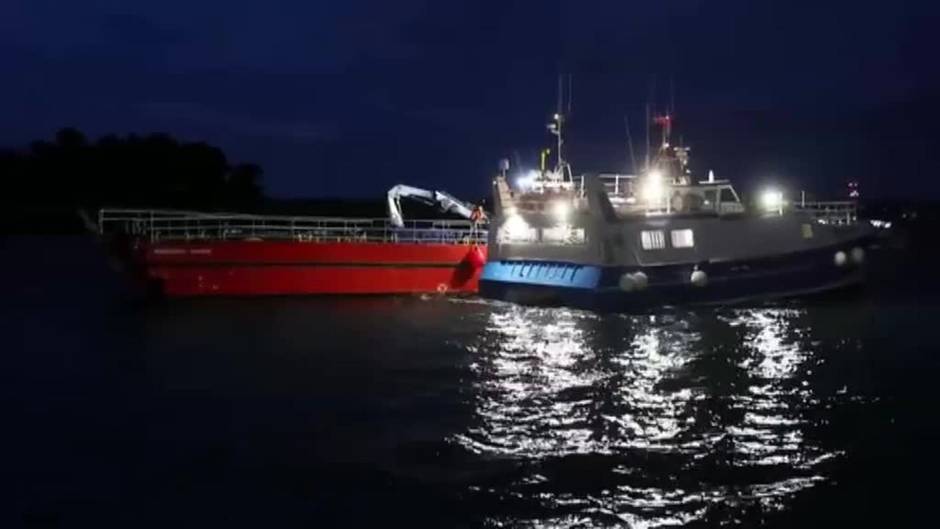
[837,212]
[614,183]
[194,225]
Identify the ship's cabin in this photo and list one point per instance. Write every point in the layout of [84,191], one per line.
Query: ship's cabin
[543,207]
[633,195]
[549,206]
[630,195]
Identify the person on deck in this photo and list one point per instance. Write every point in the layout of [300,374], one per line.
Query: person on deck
[477,217]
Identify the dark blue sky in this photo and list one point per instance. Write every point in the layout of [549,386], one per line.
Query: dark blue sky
[349,97]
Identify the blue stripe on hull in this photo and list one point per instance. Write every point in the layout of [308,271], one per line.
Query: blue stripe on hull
[596,287]
[550,274]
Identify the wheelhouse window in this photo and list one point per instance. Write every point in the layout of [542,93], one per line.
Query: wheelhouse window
[682,238]
[652,239]
[711,197]
[728,195]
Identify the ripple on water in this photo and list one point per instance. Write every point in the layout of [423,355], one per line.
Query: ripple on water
[653,420]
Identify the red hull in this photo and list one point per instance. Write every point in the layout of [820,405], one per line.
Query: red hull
[247,268]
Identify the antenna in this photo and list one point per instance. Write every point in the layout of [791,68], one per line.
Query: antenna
[557,125]
[516,158]
[647,163]
[626,124]
[569,94]
[672,95]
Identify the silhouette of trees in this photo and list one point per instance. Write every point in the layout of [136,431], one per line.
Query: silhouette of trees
[132,171]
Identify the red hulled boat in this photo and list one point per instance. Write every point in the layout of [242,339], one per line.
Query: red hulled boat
[180,253]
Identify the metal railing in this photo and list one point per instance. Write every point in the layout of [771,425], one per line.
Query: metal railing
[836,212]
[614,184]
[172,225]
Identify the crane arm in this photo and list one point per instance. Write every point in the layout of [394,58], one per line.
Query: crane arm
[444,201]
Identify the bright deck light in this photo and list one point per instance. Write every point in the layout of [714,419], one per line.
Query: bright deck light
[771,200]
[561,210]
[525,181]
[652,189]
[516,227]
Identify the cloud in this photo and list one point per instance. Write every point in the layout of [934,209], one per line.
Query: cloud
[240,124]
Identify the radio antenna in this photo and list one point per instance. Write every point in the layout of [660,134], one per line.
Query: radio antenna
[557,125]
[626,124]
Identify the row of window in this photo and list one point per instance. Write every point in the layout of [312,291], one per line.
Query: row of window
[559,235]
[656,239]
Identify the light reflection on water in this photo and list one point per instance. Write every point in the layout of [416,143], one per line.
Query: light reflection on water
[667,418]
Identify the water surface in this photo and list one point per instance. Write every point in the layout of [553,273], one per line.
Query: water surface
[428,411]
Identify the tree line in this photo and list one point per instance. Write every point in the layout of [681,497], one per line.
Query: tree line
[153,170]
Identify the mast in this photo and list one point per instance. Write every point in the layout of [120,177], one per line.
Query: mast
[650,97]
[560,118]
[556,127]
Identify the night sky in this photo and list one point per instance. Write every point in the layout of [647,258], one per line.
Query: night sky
[347,98]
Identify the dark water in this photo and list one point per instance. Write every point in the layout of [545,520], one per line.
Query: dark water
[461,413]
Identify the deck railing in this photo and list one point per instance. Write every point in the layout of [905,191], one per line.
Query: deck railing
[837,212]
[173,225]
[614,184]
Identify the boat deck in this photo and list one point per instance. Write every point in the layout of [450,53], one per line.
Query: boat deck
[157,225]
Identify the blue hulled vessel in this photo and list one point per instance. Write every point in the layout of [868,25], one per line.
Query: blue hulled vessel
[626,242]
